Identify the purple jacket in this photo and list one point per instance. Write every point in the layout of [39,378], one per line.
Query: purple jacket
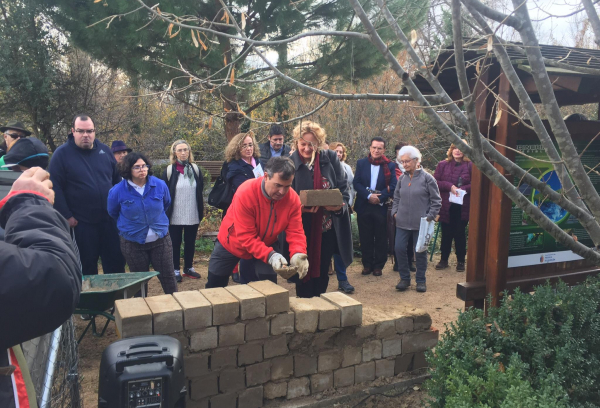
[447,174]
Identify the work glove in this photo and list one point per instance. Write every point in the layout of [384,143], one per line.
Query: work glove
[300,261]
[277,261]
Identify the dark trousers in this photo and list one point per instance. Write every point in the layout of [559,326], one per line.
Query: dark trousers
[316,286]
[99,241]
[454,230]
[222,262]
[402,237]
[189,244]
[159,253]
[372,232]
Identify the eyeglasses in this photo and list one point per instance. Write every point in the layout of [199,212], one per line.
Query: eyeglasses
[13,135]
[247,146]
[406,161]
[142,167]
[84,131]
[182,150]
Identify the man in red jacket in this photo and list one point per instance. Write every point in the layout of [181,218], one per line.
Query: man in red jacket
[261,209]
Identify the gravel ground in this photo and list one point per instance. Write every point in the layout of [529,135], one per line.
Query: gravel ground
[439,301]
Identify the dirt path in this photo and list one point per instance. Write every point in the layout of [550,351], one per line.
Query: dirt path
[439,301]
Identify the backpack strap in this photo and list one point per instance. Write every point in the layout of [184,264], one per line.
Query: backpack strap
[169,172]
[196,170]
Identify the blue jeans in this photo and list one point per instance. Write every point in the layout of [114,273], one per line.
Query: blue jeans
[402,237]
[340,268]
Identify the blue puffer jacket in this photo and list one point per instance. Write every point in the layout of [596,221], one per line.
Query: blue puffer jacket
[135,214]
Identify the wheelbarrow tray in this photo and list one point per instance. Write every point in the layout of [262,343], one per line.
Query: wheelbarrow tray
[105,289]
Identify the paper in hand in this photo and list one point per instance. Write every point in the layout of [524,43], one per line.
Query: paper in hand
[458,199]
[258,171]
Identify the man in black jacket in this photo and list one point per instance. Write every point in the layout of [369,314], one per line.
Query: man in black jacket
[40,276]
[83,170]
[274,146]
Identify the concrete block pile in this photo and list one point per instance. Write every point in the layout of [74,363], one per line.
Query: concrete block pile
[246,344]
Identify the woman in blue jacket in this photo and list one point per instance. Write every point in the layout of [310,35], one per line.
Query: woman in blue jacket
[139,204]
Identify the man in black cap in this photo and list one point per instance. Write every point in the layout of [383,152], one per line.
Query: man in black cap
[26,153]
[12,132]
[120,150]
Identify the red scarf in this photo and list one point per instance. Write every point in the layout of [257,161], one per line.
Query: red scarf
[386,169]
[179,167]
[316,229]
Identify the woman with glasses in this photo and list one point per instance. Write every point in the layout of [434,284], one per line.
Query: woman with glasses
[416,196]
[187,210]
[241,156]
[327,228]
[12,132]
[139,203]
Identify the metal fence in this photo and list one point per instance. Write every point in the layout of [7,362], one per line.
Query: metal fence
[53,364]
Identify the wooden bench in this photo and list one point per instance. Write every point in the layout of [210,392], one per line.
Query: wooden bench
[213,168]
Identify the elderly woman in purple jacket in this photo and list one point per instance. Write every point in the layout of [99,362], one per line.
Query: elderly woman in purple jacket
[453,174]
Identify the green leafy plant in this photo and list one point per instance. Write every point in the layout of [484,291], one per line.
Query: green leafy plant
[535,350]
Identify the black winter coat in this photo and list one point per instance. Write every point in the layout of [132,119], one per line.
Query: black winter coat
[172,184]
[332,169]
[82,179]
[40,275]
[239,171]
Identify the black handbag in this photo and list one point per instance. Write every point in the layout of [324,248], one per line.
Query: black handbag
[222,193]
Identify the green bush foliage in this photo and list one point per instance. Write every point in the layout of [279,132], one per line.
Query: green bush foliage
[535,350]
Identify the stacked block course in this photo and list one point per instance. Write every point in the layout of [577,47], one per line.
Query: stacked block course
[249,343]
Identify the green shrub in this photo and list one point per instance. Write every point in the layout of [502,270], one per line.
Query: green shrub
[535,350]
[355,239]
[203,245]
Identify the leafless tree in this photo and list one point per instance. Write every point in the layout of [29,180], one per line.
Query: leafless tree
[578,195]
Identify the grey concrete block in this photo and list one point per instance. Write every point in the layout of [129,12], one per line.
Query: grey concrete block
[197,311]
[225,306]
[329,360]
[298,387]
[384,368]
[232,380]
[276,347]
[351,356]
[321,382]
[133,317]
[223,357]
[250,354]
[231,334]
[372,350]
[385,329]
[282,323]
[257,374]
[196,365]
[419,341]
[167,315]
[252,302]
[282,367]
[251,398]
[277,298]
[422,320]
[306,315]
[274,390]
[204,339]
[404,324]
[304,364]
[351,309]
[204,386]
[343,377]
[257,329]
[392,346]
[224,401]
[364,372]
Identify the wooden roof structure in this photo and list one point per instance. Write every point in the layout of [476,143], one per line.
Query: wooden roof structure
[490,210]
[570,87]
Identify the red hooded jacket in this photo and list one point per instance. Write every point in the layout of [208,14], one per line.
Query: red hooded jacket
[253,222]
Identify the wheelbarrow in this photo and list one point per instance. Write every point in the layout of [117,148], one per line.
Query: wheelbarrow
[99,292]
